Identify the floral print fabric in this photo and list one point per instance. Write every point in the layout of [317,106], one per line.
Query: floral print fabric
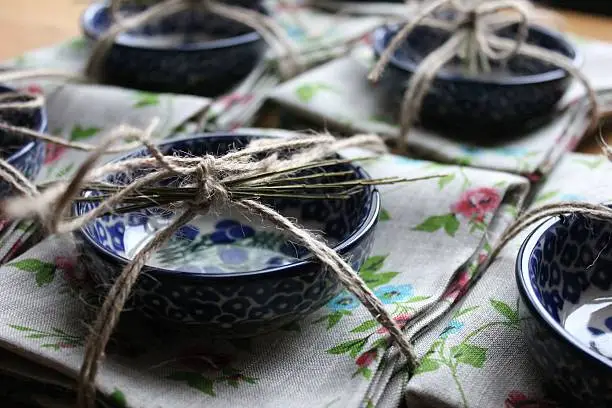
[338,357]
[338,96]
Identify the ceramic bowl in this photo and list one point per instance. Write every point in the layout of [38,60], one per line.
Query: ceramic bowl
[520,97]
[27,156]
[189,53]
[233,275]
[564,275]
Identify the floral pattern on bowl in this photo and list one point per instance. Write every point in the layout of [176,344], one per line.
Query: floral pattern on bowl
[234,275]
[28,156]
[522,96]
[564,276]
[188,53]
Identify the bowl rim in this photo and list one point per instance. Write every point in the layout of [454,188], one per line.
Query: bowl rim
[506,80]
[94,32]
[366,225]
[536,308]
[29,146]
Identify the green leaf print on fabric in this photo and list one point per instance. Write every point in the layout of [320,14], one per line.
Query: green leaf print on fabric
[546,196]
[144,99]
[64,170]
[194,380]
[427,365]
[445,180]
[44,272]
[353,347]
[369,272]
[118,399]
[384,215]
[470,354]
[61,339]
[206,384]
[448,222]
[506,311]
[591,163]
[80,133]
[306,92]
[466,353]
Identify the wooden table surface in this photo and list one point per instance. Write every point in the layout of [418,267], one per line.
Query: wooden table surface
[27,24]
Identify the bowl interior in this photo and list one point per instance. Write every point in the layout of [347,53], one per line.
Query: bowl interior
[569,277]
[226,241]
[186,29]
[12,145]
[423,40]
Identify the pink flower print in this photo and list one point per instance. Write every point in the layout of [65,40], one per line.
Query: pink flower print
[232,99]
[70,272]
[476,203]
[517,399]
[65,345]
[53,152]
[458,286]
[366,358]
[33,89]
[534,177]
[400,319]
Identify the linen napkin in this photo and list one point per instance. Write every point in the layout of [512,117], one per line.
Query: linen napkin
[335,358]
[316,37]
[477,355]
[338,96]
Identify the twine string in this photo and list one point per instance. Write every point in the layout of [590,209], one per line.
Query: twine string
[474,40]
[265,26]
[211,176]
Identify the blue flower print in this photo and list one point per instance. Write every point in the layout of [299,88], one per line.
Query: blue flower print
[230,231]
[453,327]
[393,293]
[406,161]
[571,197]
[470,150]
[511,151]
[344,301]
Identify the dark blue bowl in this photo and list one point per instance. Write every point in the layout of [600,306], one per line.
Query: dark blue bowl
[26,155]
[522,96]
[227,273]
[212,55]
[563,270]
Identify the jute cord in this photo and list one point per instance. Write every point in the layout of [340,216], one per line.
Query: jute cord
[473,40]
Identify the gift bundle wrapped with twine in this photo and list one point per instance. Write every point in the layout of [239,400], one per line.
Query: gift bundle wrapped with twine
[473,26]
[223,180]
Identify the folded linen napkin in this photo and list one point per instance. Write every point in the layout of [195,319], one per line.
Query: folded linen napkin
[333,358]
[337,95]
[477,355]
[316,37]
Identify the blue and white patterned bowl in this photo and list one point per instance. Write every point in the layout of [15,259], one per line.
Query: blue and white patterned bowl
[190,52]
[564,276]
[27,155]
[522,96]
[230,274]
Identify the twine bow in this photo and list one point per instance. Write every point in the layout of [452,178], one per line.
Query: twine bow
[235,178]
[474,40]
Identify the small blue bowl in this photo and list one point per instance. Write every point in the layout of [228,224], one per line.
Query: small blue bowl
[25,155]
[519,97]
[189,52]
[233,275]
[564,276]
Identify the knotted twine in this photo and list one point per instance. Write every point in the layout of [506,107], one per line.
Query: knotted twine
[210,175]
[473,40]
